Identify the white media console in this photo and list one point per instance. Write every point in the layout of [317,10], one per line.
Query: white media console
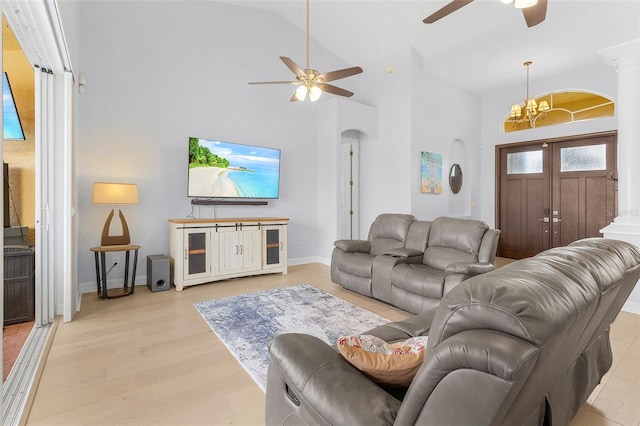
[206,250]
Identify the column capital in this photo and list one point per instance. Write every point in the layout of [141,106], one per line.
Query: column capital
[622,53]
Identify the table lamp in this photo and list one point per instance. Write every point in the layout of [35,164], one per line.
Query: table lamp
[115,193]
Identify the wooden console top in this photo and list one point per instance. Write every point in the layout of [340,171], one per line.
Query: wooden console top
[231,220]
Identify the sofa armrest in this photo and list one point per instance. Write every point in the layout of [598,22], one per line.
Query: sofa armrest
[312,377]
[413,326]
[404,252]
[358,246]
[468,268]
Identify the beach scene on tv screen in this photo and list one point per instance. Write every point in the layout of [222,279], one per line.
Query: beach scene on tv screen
[231,170]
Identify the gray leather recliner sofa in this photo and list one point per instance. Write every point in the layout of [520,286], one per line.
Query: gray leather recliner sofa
[525,344]
[410,263]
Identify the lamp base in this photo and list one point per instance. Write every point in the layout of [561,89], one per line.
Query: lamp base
[115,240]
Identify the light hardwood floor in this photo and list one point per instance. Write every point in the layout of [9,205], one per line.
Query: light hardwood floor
[151,359]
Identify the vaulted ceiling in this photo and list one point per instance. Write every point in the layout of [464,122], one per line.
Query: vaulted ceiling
[480,47]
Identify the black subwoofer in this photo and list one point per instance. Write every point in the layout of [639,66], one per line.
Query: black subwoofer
[158,272]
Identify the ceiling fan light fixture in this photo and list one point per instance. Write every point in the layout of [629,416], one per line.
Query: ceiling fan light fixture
[523,4]
[314,93]
[301,93]
[507,1]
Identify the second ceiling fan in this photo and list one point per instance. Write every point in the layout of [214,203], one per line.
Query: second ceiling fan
[534,11]
[309,81]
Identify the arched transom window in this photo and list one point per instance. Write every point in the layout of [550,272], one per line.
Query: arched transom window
[560,107]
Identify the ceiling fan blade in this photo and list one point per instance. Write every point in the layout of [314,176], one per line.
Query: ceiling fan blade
[338,74]
[299,72]
[275,82]
[536,13]
[329,88]
[449,8]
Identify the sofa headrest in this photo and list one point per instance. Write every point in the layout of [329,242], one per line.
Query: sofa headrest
[391,225]
[534,299]
[389,231]
[453,240]
[461,234]
[628,253]
[600,263]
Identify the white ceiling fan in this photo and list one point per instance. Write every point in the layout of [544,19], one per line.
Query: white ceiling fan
[309,81]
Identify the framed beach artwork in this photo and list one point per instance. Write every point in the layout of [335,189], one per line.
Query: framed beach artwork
[431,173]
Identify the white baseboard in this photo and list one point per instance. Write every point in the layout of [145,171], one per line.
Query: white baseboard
[305,260]
[90,287]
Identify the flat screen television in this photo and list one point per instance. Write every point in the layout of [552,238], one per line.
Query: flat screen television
[220,169]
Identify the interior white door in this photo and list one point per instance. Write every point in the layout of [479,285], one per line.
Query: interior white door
[348,190]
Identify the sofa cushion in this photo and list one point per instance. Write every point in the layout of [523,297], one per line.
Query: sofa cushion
[389,231]
[441,257]
[418,279]
[393,364]
[359,264]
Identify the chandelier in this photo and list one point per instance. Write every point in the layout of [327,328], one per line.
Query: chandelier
[532,111]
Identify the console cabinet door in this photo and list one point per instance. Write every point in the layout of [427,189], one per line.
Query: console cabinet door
[274,247]
[197,253]
[228,250]
[251,249]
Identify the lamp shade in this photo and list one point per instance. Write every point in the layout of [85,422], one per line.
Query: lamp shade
[314,93]
[544,106]
[115,193]
[301,93]
[523,4]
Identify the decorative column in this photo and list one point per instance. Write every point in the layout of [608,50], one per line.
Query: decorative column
[626,226]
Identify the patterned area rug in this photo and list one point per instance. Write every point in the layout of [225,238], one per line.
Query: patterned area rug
[248,322]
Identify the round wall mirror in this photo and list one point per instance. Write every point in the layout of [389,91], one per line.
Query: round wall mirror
[455,178]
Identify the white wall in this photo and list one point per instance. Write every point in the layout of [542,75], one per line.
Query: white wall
[599,78]
[385,178]
[445,120]
[159,72]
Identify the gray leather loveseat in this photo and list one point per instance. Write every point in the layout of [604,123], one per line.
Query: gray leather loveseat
[523,345]
[411,263]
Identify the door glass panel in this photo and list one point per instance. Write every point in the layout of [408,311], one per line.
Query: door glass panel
[273,246]
[583,158]
[524,162]
[197,253]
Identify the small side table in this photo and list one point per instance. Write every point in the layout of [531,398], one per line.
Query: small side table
[101,270]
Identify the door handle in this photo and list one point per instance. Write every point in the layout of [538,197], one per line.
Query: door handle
[556,220]
[545,220]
